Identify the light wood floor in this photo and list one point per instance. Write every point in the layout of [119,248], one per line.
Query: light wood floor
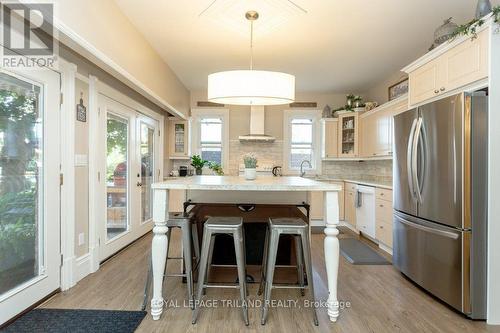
[381,300]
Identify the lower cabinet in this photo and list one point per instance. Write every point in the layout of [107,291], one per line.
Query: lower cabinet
[383,216]
[176,200]
[350,204]
[316,201]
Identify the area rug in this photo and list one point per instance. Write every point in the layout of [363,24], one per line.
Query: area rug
[358,253]
[76,321]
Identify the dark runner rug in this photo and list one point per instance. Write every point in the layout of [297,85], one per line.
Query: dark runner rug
[76,321]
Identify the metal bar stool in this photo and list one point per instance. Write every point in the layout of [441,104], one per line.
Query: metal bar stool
[298,228]
[189,239]
[214,226]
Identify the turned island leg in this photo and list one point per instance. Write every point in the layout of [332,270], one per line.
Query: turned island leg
[331,207]
[159,249]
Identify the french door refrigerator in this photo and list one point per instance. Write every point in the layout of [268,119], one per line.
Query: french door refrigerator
[440,199]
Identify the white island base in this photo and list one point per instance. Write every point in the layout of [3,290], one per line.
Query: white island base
[279,188]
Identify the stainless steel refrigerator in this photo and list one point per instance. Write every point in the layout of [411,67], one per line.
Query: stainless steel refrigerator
[440,199]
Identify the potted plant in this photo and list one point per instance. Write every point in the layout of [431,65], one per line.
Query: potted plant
[216,168]
[198,163]
[250,161]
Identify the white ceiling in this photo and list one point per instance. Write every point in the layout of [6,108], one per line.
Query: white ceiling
[337,46]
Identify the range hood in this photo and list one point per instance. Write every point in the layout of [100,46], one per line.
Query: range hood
[257,119]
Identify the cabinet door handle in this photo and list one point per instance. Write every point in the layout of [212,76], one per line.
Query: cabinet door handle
[381,206]
[436,91]
[443,89]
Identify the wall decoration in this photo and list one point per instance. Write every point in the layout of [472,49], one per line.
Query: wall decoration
[398,89]
[81,110]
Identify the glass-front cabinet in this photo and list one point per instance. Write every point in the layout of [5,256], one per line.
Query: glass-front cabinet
[348,135]
[178,139]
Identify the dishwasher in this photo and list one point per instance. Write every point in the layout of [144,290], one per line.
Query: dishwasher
[365,210]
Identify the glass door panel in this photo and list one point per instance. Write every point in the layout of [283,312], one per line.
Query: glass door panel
[21,182]
[117,166]
[146,149]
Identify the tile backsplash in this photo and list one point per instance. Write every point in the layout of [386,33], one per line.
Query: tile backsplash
[272,154]
[267,153]
[362,170]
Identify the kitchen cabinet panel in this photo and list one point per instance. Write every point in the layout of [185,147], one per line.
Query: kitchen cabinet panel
[459,66]
[178,138]
[348,135]
[383,233]
[317,204]
[330,138]
[350,208]
[383,210]
[176,199]
[383,194]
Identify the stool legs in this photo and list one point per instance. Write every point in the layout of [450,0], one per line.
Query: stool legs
[264,264]
[240,263]
[300,263]
[308,262]
[196,241]
[202,270]
[188,260]
[271,262]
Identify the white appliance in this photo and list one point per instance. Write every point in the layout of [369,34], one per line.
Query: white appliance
[365,210]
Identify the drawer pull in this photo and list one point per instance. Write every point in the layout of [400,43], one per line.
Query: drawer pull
[381,194]
[436,91]
[443,89]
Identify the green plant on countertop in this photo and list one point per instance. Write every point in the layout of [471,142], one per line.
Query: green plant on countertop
[215,167]
[197,162]
[470,28]
[250,161]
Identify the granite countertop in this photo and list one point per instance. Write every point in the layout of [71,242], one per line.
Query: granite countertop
[375,183]
[239,183]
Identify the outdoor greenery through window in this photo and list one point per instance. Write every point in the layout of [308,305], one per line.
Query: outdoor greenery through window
[211,139]
[116,175]
[301,142]
[21,128]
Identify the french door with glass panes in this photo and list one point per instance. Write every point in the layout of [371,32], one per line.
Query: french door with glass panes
[130,149]
[29,188]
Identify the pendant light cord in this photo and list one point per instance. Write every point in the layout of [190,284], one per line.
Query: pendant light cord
[251,45]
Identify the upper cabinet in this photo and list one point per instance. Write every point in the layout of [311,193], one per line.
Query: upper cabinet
[348,134]
[178,133]
[330,146]
[446,69]
[377,129]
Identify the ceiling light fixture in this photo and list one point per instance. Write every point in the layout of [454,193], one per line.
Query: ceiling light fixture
[251,87]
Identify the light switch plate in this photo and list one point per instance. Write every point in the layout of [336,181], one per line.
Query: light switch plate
[81,239]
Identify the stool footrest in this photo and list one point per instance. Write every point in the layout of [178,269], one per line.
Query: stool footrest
[176,275]
[227,286]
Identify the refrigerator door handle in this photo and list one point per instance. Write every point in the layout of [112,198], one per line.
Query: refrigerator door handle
[414,159]
[428,229]
[409,159]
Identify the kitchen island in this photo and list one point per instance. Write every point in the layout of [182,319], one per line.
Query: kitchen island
[234,189]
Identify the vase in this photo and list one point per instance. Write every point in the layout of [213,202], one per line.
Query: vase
[250,173]
[199,172]
[483,8]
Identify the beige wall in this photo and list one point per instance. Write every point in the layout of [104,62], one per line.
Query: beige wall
[102,24]
[81,172]
[379,93]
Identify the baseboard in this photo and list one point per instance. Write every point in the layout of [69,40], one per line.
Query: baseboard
[348,226]
[385,248]
[67,273]
[83,267]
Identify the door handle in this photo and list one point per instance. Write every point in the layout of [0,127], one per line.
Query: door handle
[416,140]
[443,233]
[409,157]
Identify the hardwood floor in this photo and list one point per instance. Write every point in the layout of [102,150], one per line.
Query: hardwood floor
[381,300]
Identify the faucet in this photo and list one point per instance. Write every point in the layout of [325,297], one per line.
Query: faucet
[302,172]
